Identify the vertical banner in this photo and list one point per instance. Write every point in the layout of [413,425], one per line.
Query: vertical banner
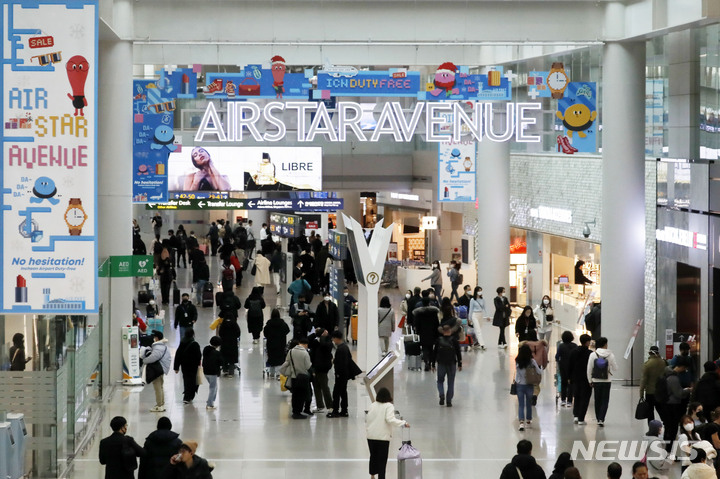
[456,171]
[577,112]
[49,166]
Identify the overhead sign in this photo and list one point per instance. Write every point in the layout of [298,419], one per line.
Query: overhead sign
[457,171]
[49,163]
[285,226]
[130,266]
[337,244]
[392,83]
[272,204]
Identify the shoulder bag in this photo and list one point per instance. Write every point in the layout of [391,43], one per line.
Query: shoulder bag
[532,376]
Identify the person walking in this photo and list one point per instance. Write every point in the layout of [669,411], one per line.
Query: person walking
[525,325]
[577,373]
[276,266]
[181,236]
[562,357]
[386,324]
[188,358]
[214,236]
[653,369]
[545,316]
[321,347]
[674,408]
[255,304]
[345,369]
[476,313]
[501,318]
[262,270]
[524,384]
[188,465]
[379,423]
[17,353]
[454,274]
[212,366]
[435,278]
[275,331]
[600,368]
[200,275]
[523,465]
[186,315]
[426,325]
[448,360]
[229,332]
[159,447]
[157,223]
[167,275]
[158,352]
[112,451]
[297,368]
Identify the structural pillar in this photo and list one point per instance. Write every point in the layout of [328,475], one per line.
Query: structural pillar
[623,210]
[115,193]
[493,233]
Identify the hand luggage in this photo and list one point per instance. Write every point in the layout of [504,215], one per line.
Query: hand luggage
[413,363]
[207,295]
[354,328]
[409,461]
[176,294]
[413,351]
[155,324]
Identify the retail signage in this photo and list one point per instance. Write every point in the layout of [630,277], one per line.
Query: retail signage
[456,171]
[680,237]
[49,163]
[248,168]
[396,82]
[482,122]
[553,214]
[429,222]
[404,196]
[285,226]
[577,115]
[272,204]
[337,244]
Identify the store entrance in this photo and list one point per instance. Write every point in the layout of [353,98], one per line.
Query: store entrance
[688,303]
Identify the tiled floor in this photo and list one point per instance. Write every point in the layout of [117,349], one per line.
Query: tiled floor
[252,435]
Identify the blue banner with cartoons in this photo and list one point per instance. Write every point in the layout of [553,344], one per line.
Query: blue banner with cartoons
[577,114]
[456,83]
[254,81]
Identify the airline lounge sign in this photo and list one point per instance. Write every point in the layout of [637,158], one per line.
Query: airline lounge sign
[481,120]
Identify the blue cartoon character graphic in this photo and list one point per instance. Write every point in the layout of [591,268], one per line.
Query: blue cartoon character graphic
[163,138]
[44,189]
[454,157]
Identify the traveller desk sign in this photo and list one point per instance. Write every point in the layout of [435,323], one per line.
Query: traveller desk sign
[49,161]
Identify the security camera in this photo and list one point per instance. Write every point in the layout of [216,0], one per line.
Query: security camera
[586,230]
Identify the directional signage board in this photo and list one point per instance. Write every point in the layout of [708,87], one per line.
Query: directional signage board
[285,226]
[272,204]
[337,244]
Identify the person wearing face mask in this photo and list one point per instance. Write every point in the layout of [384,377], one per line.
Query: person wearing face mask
[349,303]
[434,300]
[476,311]
[302,318]
[212,365]
[186,315]
[435,278]
[404,308]
[501,319]
[545,317]
[686,438]
[386,323]
[696,412]
[326,314]
[467,295]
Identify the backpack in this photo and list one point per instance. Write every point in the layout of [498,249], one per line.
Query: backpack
[462,312]
[255,308]
[158,221]
[600,368]
[228,274]
[445,350]
[661,390]
[459,278]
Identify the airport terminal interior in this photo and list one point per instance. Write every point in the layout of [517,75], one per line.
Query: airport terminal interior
[562,153]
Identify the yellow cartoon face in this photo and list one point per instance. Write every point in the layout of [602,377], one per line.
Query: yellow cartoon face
[577,117]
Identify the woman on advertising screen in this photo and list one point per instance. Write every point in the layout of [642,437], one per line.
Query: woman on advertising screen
[207,177]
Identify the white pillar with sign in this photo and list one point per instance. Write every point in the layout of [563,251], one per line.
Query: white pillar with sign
[368,261]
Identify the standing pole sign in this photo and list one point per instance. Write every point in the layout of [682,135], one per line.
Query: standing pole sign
[368,261]
[48,252]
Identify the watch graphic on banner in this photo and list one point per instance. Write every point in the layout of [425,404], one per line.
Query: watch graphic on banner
[557,80]
[75,216]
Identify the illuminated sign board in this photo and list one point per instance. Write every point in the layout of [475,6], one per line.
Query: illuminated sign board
[688,239]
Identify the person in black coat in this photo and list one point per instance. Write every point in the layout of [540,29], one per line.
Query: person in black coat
[308,269]
[110,451]
[525,325]
[188,465]
[301,318]
[343,373]
[159,447]
[577,373]
[17,353]
[187,358]
[321,357]
[229,333]
[563,462]
[276,331]
[212,366]
[707,390]
[523,462]
[166,272]
[501,318]
[228,304]
[326,314]
[255,319]
[564,350]
[426,323]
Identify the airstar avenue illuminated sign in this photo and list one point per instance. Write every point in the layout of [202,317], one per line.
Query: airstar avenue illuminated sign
[482,122]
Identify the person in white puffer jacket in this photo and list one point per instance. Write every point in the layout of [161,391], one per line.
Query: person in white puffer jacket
[379,422]
[158,352]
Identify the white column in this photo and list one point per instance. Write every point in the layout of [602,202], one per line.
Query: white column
[115,191]
[493,245]
[623,215]
[683,95]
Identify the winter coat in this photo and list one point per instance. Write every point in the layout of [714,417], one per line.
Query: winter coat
[321,353]
[577,371]
[110,454]
[326,316]
[501,318]
[229,333]
[653,368]
[262,270]
[188,357]
[612,364]
[200,469]
[699,471]
[380,420]
[562,356]
[255,305]
[159,351]
[386,322]
[676,393]
[426,324]
[527,465]
[276,262]
[211,361]
[524,326]
[545,317]
[228,304]
[276,331]
[159,446]
[298,359]
[707,391]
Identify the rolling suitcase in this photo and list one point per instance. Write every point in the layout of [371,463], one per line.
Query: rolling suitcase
[207,295]
[412,351]
[176,294]
[409,461]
